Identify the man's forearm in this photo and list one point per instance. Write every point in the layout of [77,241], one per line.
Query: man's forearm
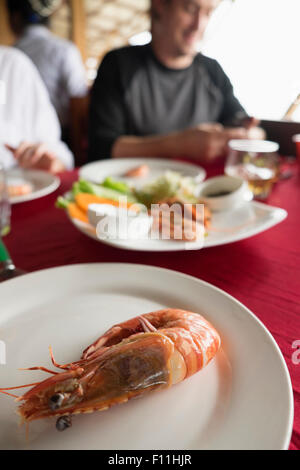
[152,146]
[202,143]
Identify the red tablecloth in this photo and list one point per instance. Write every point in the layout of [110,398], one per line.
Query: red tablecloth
[262,272]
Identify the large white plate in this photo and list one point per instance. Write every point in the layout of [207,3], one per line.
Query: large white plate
[227,227]
[117,168]
[242,400]
[42,183]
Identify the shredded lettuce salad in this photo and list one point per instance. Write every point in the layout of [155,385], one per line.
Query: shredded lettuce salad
[168,185]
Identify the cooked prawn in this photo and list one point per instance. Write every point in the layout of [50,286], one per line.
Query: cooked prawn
[138,172]
[147,353]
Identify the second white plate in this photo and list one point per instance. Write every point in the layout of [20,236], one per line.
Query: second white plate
[42,183]
[242,400]
[117,168]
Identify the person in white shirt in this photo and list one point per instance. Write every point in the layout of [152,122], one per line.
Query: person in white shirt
[30,133]
[58,61]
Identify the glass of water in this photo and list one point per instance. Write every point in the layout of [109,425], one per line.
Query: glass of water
[5,209]
[257,162]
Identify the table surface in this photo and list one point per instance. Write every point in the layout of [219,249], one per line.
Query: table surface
[262,272]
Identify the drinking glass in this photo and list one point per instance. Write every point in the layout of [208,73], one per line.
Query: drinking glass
[7,267]
[5,209]
[257,162]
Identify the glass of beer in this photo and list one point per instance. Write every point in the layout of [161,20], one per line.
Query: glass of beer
[5,209]
[257,162]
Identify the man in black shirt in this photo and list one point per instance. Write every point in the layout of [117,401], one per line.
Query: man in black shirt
[165,99]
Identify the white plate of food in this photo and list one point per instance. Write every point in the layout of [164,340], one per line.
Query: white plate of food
[143,170]
[226,227]
[240,217]
[27,185]
[241,400]
[138,171]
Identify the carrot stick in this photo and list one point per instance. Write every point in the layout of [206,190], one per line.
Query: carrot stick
[75,212]
[83,200]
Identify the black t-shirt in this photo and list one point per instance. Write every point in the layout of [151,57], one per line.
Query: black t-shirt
[134,94]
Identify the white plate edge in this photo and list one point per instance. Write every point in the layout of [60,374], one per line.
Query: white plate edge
[56,182]
[279,216]
[142,160]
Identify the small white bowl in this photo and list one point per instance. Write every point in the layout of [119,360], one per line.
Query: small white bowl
[224,193]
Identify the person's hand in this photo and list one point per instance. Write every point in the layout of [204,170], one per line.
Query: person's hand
[207,141]
[204,142]
[251,124]
[36,156]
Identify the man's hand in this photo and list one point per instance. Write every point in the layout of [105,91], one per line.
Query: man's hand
[207,141]
[210,140]
[36,156]
[251,124]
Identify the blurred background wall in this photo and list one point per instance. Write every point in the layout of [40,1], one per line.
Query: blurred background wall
[6,37]
[96,26]
[255,41]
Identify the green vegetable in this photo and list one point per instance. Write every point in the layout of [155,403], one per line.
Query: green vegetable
[102,191]
[76,189]
[62,202]
[169,185]
[117,185]
[83,186]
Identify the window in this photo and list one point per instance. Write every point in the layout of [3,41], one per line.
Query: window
[257,42]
